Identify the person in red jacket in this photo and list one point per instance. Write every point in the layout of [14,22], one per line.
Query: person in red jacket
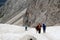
[38,28]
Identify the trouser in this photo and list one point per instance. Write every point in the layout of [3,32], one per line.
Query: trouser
[44,30]
[40,31]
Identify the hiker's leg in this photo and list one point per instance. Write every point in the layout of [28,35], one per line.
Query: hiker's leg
[40,31]
[44,30]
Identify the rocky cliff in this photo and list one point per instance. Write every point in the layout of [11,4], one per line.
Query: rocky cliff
[42,11]
[11,9]
[38,11]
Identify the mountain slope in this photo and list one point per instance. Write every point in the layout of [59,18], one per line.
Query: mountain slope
[11,9]
[37,8]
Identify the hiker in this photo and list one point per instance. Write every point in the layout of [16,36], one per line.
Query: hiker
[38,28]
[44,28]
[26,28]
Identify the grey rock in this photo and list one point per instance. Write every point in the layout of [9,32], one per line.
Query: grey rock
[37,8]
[11,9]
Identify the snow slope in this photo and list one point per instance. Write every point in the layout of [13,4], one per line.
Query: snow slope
[13,32]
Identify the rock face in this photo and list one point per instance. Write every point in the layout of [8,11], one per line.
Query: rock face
[42,11]
[38,11]
[11,9]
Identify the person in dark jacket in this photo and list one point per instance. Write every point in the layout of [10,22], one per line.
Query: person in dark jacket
[44,28]
[38,28]
[26,28]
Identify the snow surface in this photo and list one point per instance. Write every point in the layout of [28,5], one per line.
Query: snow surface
[13,32]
